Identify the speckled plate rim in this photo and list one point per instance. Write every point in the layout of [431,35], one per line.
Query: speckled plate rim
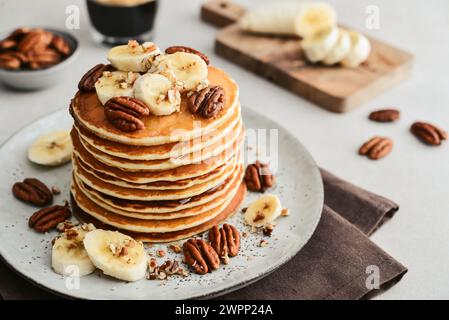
[212,294]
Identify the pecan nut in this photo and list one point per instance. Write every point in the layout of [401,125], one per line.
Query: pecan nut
[18,34]
[376,148]
[126,113]
[258,177]
[43,58]
[35,40]
[87,82]
[60,45]
[7,44]
[428,133]
[386,115]
[33,191]
[48,218]
[8,60]
[200,256]
[225,241]
[207,102]
[174,49]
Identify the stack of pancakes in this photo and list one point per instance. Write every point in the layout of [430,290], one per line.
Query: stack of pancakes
[179,176]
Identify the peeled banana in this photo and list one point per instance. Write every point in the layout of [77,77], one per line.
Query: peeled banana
[359,52]
[133,57]
[115,84]
[116,254]
[51,149]
[68,255]
[318,46]
[263,210]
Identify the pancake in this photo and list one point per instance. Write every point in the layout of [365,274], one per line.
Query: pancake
[179,126]
[157,185]
[148,195]
[118,205]
[225,214]
[152,226]
[140,177]
[163,151]
[229,142]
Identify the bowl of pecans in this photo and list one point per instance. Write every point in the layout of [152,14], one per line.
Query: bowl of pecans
[35,58]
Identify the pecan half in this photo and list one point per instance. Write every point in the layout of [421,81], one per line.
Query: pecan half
[258,177]
[87,82]
[208,102]
[7,44]
[48,218]
[200,256]
[60,45]
[174,49]
[428,133]
[8,60]
[43,58]
[376,148]
[35,40]
[225,240]
[19,33]
[33,191]
[126,113]
[386,115]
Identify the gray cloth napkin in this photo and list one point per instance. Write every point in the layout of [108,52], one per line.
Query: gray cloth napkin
[333,264]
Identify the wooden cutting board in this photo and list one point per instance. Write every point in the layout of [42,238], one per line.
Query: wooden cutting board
[280,60]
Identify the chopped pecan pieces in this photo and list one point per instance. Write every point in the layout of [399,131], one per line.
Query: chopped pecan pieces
[428,133]
[87,82]
[258,177]
[200,256]
[207,102]
[376,148]
[125,113]
[174,49]
[33,191]
[386,115]
[47,218]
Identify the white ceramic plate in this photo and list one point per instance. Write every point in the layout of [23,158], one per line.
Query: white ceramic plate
[299,186]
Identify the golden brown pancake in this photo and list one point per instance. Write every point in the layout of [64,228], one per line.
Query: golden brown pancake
[170,236]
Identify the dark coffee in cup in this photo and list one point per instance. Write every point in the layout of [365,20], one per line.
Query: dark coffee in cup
[117,21]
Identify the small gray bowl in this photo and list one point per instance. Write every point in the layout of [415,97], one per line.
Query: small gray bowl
[42,78]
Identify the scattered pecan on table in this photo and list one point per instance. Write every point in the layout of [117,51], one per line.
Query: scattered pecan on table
[258,177]
[126,113]
[174,49]
[200,256]
[376,148]
[34,191]
[386,115]
[428,133]
[87,82]
[207,102]
[47,218]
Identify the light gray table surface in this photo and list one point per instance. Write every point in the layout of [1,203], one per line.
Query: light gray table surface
[414,175]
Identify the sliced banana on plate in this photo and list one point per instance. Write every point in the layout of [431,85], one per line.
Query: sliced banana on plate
[318,46]
[115,84]
[68,256]
[340,50]
[159,94]
[51,149]
[116,254]
[359,52]
[186,70]
[133,57]
[263,210]
[314,18]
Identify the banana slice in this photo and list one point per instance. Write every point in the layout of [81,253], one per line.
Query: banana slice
[157,91]
[263,210]
[51,149]
[68,254]
[133,57]
[186,70]
[318,46]
[314,18]
[116,254]
[115,84]
[359,52]
[340,50]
